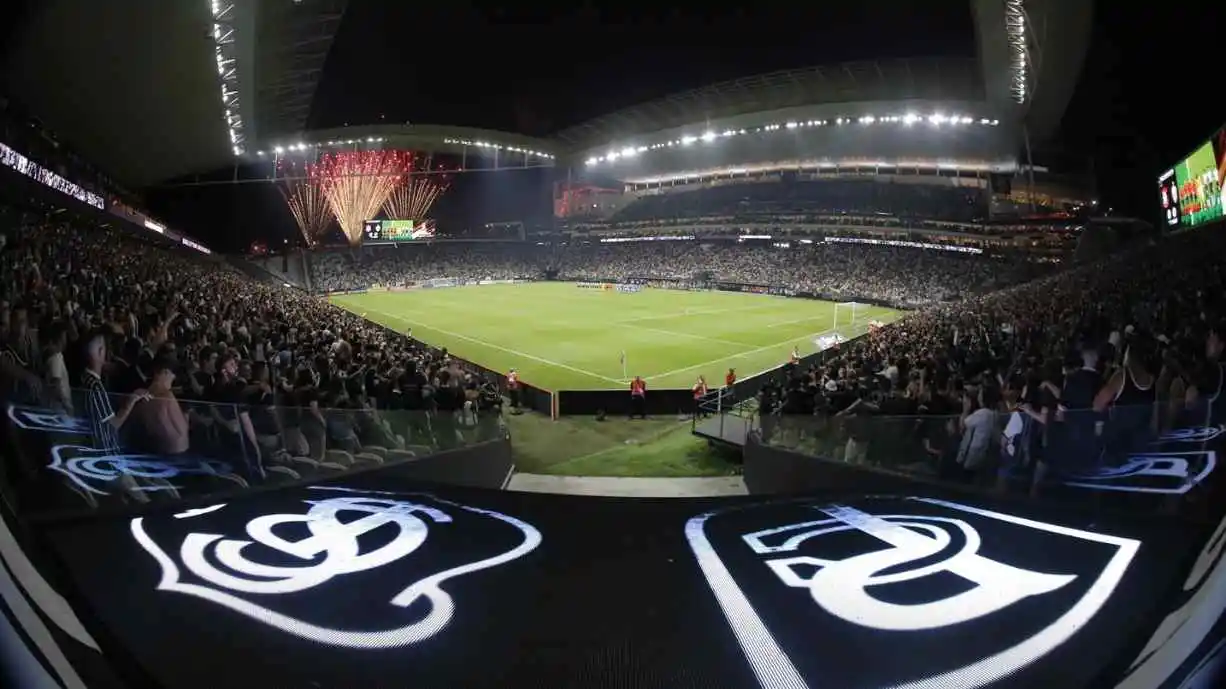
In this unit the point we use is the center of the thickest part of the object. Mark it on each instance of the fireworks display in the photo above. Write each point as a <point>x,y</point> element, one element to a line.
<point>307,202</point>
<point>414,195</point>
<point>357,184</point>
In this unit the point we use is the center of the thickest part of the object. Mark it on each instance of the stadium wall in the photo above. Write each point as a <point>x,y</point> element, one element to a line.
<point>617,402</point>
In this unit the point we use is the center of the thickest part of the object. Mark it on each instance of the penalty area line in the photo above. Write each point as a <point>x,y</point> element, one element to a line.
<point>500,348</point>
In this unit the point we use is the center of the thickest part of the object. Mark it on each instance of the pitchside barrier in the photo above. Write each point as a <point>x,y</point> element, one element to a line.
<point>617,402</point>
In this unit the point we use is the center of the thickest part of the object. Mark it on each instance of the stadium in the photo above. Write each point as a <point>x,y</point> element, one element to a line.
<point>469,406</point>
<point>841,154</point>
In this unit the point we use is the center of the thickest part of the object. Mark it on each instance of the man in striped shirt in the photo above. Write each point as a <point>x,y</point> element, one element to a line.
<point>104,420</point>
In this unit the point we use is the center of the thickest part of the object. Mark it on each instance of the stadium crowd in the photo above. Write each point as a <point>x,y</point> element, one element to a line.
<point>777,196</point>
<point>393,266</point>
<point>1080,367</point>
<point>175,352</point>
<point>167,351</point>
<point>897,275</point>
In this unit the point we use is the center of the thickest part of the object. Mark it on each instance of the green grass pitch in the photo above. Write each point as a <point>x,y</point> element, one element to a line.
<point>561,337</point>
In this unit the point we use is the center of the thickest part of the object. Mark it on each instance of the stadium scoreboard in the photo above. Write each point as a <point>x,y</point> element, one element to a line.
<point>391,231</point>
<point>1191,192</point>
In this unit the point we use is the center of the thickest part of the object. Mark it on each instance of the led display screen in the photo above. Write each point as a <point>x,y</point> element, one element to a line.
<point>1168,197</point>
<point>1198,181</point>
<point>398,230</point>
<point>369,581</point>
<point>16,161</point>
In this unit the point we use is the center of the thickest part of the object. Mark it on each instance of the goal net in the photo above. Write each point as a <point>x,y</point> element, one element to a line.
<point>851,317</point>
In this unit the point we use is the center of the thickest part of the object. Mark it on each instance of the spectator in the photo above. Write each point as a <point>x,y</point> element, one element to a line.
<point>231,414</point>
<point>104,420</point>
<point>59,391</point>
<point>979,414</point>
<point>161,425</point>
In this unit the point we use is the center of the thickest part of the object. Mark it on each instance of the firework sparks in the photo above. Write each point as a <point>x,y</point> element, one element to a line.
<point>414,195</point>
<point>307,202</point>
<point>357,183</point>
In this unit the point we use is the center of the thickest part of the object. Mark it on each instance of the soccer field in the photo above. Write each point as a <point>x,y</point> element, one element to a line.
<point>561,337</point>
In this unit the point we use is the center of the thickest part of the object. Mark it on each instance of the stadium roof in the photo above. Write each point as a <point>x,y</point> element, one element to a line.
<point>506,149</point>
<point>137,86</point>
<point>1025,73</point>
<point>937,79</point>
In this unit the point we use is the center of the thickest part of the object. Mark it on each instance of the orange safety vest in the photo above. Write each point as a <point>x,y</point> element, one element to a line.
<point>730,380</point>
<point>637,388</point>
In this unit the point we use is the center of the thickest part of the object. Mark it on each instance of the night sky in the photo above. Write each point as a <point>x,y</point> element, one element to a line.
<point>535,71</point>
<point>1145,98</point>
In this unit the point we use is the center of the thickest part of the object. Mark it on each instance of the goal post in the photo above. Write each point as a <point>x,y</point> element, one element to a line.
<point>849,315</point>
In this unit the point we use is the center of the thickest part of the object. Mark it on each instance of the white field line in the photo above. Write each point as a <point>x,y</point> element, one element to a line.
<point>798,320</point>
<point>737,355</point>
<point>692,336</point>
<point>695,312</point>
<point>500,348</point>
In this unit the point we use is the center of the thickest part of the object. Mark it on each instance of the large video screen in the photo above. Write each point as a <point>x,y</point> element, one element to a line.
<point>1168,193</point>
<point>398,230</point>
<point>1198,180</point>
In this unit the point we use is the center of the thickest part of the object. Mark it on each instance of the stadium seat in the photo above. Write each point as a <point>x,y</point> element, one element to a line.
<point>285,473</point>
<point>339,457</point>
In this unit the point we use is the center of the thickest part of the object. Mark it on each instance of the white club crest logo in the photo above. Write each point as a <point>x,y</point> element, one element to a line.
<point>844,587</point>
<point>46,420</point>
<point>1198,434</point>
<point>1173,473</point>
<point>929,567</point>
<point>275,571</point>
<point>101,472</point>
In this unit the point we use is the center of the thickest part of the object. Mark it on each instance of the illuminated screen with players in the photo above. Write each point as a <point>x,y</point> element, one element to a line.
<point>1191,192</point>
<point>398,230</point>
